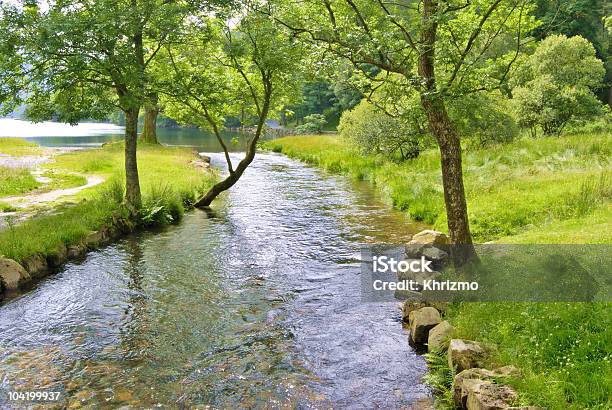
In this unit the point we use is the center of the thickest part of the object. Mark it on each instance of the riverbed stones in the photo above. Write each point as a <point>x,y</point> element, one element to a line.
<point>465,354</point>
<point>421,321</point>
<point>460,391</point>
<point>439,336</point>
<point>36,265</point>
<point>12,274</point>
<point>94,239</point>
<point>486,395</point>
<point>436,255</point>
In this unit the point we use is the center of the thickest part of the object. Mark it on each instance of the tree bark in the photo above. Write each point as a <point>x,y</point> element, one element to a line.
<point>132,183</point>
<point>448,141</point>
<point>235,175</point>
<point>149,130</point>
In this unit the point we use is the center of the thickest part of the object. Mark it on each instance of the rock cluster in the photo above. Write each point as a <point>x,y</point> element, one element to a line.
<point>474,387</point>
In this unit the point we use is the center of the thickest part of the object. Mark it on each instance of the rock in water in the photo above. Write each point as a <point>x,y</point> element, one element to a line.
<point>421,321</point>
<point>465,354</point>
<point>12,274</point>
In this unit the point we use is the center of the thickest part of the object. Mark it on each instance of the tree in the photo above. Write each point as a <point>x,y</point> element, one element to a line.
<point>223,72</point>
<point>313,124</point>
<point>11,63</point>
<point>443,50</point>
<point>90,57</point>
<point>557,84</point>
<point>149,128</point>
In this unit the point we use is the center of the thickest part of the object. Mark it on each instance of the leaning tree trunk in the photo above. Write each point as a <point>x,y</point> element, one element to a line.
<point>132,183</point>
<point>448,141</point>
<point>234,175</point>
<point>149,130</point>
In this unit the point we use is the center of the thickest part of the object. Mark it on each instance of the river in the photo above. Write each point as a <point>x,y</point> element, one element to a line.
<point>253,304</point>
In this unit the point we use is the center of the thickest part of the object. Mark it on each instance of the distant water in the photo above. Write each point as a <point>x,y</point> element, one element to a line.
<point>91,134</point>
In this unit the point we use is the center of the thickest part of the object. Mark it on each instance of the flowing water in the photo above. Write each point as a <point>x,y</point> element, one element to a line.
<point>253,304</point>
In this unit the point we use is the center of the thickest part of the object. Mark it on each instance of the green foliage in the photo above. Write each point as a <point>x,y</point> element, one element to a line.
<point>16,181</point>
<point>563,349</point>
<point>557,83</point>
<point>313,124</point>
<point>161,207</point>
<point>511,188</point>
<point>376,132</point>
<point>440,377</point>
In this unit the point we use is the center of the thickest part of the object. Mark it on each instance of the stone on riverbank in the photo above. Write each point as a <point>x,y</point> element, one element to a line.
<point>418,303</point>
<point>429,237</point>
<point>36,265</point>
<point>439,336</point>
<point>459,389</point>
<point>77,251</point>
<point>12,274</point>
<point>465,354</point>
<point>421,321</point>
<point>486,395</point>
<point>58,256</point>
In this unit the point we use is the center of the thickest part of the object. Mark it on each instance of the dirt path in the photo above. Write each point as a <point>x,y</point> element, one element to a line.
<point>31,200</point>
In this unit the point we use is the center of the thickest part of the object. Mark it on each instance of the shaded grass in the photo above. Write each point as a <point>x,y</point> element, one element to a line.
<point>159,167</point>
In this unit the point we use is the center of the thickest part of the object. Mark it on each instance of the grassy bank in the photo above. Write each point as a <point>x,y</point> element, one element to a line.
<point>169,183</point>
<point>548,190</point>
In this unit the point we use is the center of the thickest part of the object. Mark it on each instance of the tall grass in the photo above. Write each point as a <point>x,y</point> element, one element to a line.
<point>510,188</point>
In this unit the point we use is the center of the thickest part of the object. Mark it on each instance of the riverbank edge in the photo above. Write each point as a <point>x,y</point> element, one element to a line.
<point>16,275</point>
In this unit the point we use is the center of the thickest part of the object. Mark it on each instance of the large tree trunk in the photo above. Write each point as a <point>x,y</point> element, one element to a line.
<point>132,183</point>
<point>149,130</point>
<point>448,141</point>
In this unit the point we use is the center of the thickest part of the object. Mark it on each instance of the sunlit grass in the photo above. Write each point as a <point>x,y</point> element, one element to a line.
<point>548,190</point>
<point>510,188</point>
<point>18,146</point>
<point>15,181</point>
<point>167,180</point>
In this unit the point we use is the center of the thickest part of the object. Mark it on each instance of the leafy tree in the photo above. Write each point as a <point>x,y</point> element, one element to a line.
<point>557,84</point>
<point>442,49</point>
<point>222,72</point>
<point>313,124</point>
<point>11,64</point>
<point>376,132</point>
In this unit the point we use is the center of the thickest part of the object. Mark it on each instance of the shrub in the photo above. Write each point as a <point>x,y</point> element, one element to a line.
<point>313,124</point>
<point>557,83</point>
<point>374,131</point>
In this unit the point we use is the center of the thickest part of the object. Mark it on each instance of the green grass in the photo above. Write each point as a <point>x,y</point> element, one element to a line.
<point>14,181</point>
<point>17,146</point>
<point>167,180</point>
<point>510,188</point>
<point>549,191</point>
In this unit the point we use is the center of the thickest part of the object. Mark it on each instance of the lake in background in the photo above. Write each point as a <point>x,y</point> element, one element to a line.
<point>87,135</point>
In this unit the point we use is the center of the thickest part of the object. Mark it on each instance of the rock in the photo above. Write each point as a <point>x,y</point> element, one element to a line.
<point>12,274</point>
<point>36,265</point>
<point>76,251</point>
<point>415,250</point>
<point>415,303</point>
<point>459,391</point>
<point>58,257</point>
<point>95,239</point>
<point>204,158</point>
<point>465,354</point>
<point>429,237</point>
<point>411,305</point>
<point>486,395</point>
<point>439,336</point>
<point>437,256</point>
<point>421,321</point>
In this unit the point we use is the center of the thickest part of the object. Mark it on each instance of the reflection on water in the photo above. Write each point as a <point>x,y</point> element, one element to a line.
<point>88,135</point>
<point>253,305</point>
